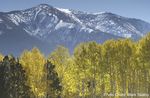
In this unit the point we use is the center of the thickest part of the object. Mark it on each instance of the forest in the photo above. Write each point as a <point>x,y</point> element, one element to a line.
<point>115,69</point>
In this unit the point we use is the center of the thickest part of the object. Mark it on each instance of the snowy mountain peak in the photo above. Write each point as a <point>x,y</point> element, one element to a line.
<point>44,6</point>
<point>64,10</point>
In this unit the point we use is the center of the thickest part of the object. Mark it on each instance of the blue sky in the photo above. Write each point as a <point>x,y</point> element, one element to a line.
<point>129,8</point>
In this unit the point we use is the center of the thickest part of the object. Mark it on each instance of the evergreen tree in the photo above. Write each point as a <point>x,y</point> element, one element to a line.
<point>13,79</point>
<point>53,83</point>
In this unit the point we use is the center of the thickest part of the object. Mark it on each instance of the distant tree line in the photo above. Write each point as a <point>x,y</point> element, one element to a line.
<point>93,71</point>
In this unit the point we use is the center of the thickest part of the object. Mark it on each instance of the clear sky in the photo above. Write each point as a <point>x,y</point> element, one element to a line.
<point>130,8</point>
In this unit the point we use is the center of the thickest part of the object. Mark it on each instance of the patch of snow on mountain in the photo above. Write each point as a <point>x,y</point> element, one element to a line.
<point>14,19</point>
<point>67,11</point>
<point>64,10</point>
<point>127,35</point>
<point>36,31</point>
<point>76,19</point>
<point>30,33</point>
<point>1,20</point>
<point>37,12</point>
<point>86,29</point>
<point>42,19</point>
<point>62,24</point>
<point>98,13</point>
<point>55,19</point>
<point>132,28</point>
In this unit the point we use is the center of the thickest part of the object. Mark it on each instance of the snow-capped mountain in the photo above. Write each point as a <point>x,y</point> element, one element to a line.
<point>46,27</point>
<point>114,24</point>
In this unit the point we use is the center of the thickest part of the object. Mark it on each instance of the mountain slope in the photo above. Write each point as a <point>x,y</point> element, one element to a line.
<point>14,40</point>
<point>115,24</point>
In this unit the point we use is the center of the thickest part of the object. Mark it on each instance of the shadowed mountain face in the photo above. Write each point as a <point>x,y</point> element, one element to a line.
<point>46,27</point>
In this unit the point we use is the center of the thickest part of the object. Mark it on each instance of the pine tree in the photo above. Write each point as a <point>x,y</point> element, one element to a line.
<point>13,79</point>
<point>53,83</point>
